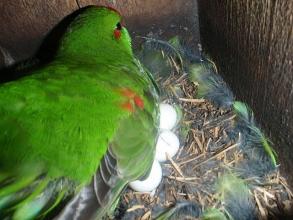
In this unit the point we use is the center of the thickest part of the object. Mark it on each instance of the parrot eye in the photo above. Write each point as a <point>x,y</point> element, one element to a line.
<point>118,26</point>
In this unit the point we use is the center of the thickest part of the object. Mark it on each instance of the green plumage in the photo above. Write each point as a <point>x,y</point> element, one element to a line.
<point>245,114</point>
<point>59,121</point>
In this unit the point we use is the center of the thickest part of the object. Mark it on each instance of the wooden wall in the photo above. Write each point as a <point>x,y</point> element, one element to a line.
<point>252,42</point>
<point>24,23</point>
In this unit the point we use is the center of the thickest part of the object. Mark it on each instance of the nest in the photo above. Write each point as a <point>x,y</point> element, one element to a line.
<point>206,153</point>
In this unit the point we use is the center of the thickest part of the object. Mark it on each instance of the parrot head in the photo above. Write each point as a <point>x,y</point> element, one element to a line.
<point>96,34</point>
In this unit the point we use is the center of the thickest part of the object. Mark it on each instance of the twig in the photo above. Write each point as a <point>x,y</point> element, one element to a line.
<point>183,179</point>
<point>146,216</point>
<point>192,159</point>
<point>216,155</point>
<point>192,100</point>
<point>260,207</point>
<point>176,167</point>
<point>135,207</point>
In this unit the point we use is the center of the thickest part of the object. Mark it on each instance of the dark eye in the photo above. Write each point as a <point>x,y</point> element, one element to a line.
<point>118,26</point>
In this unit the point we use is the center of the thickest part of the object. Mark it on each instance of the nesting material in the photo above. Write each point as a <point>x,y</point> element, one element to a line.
<point>206,153</point>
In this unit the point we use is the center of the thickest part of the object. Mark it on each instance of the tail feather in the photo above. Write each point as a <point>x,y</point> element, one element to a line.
<point>166,47</point>
<point>32,196</point>
<point>82,206</point>
<point>188,54</point>
<point>50,206</point>
<point>181,210</point>
<point>211,85</point>
<point>213,214</point>
<point>234,194</point>
<point>9,187</point>
<point>99,198</point>
<point>261,156</point>
<point>32,205</point>
<point>156,56</point>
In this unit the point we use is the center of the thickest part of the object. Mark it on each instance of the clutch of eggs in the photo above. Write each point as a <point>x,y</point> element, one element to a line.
<point>168,117</point>
<point>168,143</point>
<point>151,182</point>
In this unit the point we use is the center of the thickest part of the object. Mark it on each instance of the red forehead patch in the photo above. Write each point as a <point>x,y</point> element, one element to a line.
<point>114,9</point>
<point>110,8</point>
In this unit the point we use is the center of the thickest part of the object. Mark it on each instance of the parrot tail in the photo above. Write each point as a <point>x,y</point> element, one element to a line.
<point>108,186</point>
<point>100,197</point>
<point>211,85</point>
<point>31,196</point>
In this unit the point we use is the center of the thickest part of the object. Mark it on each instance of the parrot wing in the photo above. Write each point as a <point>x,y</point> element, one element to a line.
<point>64,118</point>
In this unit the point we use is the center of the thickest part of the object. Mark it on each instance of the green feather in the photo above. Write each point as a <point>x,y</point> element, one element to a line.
<point>234,195</point>
<point>62,117</point>
<point>213,214</point>
<point>181,210</point>
<point>265,143</point>
<point>245,114</point>
<point>211,85</point>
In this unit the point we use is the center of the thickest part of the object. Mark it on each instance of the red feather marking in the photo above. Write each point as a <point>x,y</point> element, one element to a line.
<point>138,102</point>
<point>127,93</point>
<point>114,9</point>
<point>110,8</point>
<point>127,106</point>
<point>133,98</point>
<point>117,34</point>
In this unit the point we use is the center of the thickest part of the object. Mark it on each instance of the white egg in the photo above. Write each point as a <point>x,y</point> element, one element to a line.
<point>168,143</point>
<point>151,182</point>
<point>168,117</point>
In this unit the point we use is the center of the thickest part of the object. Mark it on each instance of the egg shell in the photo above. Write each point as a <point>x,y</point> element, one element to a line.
<point>168,143</point>
<point>168,116</point>
<point>151,182</point>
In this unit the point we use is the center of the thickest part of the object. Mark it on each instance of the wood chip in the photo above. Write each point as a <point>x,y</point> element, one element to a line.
<point>135,207</point>
<point>216,132</point>
<point>147,215</point>
<point>200,145</point>
<point>263,212</point>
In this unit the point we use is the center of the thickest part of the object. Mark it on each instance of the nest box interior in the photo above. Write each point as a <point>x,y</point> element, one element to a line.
<point>250,41</point>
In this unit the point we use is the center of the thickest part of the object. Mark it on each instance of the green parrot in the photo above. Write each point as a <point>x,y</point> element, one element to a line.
<point>84,124</point>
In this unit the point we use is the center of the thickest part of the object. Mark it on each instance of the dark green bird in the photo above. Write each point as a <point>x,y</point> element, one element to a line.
<point>85,123</point>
